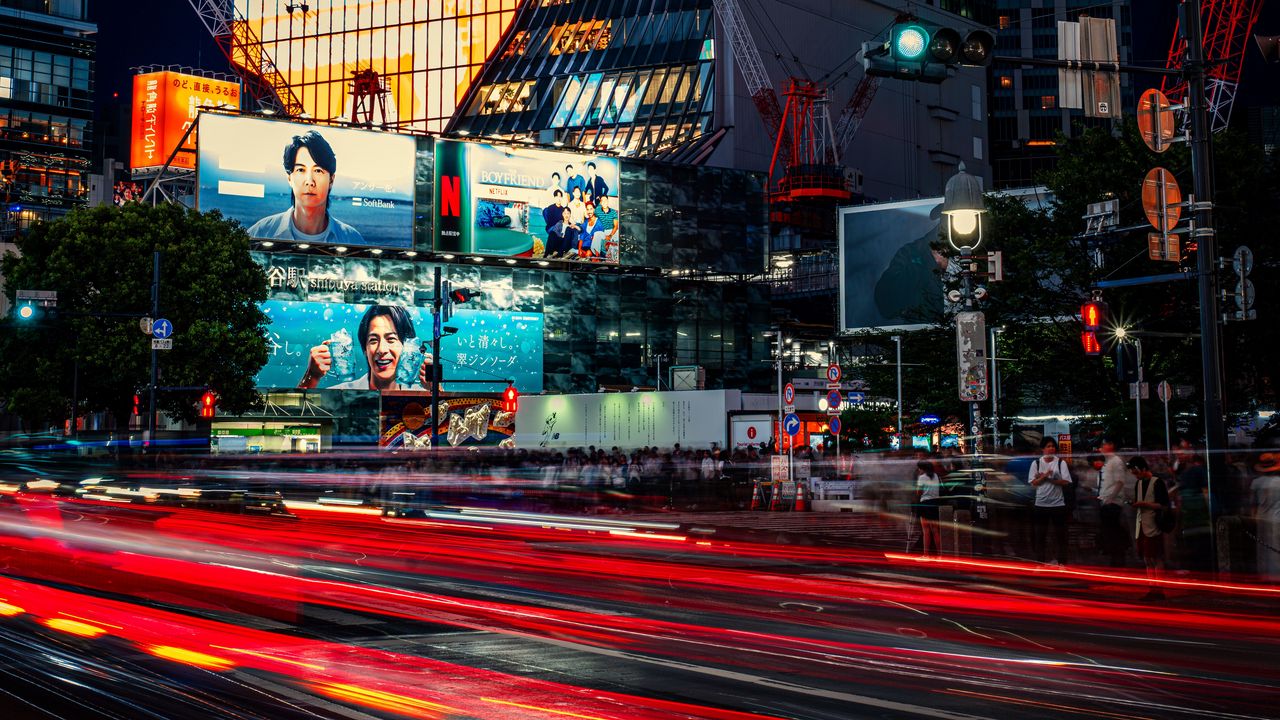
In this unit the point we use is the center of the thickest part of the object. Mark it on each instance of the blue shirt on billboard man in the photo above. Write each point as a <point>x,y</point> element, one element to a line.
<point>310,165</point>
<point>382,333</point>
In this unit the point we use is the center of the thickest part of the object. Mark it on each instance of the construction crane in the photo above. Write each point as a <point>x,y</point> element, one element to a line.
<point>751,65</point>
<point>263,81</point>
<point>1227,27</point>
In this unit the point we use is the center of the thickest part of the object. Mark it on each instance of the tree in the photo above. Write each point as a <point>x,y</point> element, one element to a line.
<point>99,260</point>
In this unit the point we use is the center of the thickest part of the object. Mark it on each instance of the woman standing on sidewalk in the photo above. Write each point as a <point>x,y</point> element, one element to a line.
<point>928,488</point>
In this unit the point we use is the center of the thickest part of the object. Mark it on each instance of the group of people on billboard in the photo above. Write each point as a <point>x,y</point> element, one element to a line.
<point>581,221</point>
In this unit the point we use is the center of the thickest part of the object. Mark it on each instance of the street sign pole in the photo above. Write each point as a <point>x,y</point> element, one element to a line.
<point>155,374</point>
<point>1163,391</point>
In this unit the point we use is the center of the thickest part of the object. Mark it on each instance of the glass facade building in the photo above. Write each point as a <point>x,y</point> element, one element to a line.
<point>616,75</point>
<point>46,109</point>
<point>426,53</point>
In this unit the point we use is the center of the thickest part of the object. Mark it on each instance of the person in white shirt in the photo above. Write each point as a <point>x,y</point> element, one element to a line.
<point>929,490</point>
<point>1049,475</point>
<point>1113,533</point>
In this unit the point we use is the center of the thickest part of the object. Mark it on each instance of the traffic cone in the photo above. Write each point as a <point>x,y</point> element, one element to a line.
<point>801,505</point>
<point>775,499</point>
<point>755,495</point>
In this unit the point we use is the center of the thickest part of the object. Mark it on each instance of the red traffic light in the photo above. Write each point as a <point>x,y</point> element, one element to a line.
<point>208,405</point>
<point>1089,341</point>
<point>510,399</point>
<point>1093,314</point>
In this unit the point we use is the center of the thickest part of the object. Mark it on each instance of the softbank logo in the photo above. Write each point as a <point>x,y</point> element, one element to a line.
<point>450,196</point>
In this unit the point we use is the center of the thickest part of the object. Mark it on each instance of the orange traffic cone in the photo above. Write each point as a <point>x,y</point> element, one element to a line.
<point>755,495</point>
<point>775,495</point>
<point>801,505</point>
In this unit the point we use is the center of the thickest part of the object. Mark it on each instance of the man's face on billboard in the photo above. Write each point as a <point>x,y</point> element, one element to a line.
<point>382,349</point>
<point>309,181</point>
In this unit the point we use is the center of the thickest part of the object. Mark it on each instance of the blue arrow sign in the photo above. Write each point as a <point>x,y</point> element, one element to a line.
<point>791,424</point>
<point>161,328</point>
<point>834,425</point>
<point>856,397</point>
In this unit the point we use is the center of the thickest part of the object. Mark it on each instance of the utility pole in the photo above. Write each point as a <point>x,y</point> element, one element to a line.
<point>1137,395</point>
<point>1194,66</point>
<point>897,339</point>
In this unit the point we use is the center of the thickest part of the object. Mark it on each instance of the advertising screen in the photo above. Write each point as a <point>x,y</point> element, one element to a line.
<point>342,346</point>
<point>307,183</point>
<point>165,105</point>
<point>889,273</point>
<point>524,202</point>
<point>464,420</point>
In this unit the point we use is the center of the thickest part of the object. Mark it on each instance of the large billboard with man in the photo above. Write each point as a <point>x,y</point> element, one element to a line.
<point>526,202</point>
<point>308,183</point>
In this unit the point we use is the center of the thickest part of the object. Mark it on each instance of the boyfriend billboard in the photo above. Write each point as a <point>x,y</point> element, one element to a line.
<point>308,183</point>
<point>384,347</point>
<point>524,202</point>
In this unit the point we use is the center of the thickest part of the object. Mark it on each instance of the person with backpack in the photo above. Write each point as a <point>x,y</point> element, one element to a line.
<point>1050,477</point>
<point>1155,518</point>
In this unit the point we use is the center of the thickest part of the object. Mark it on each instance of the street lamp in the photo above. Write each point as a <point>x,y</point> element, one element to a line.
<point>897,340</point>
<point>962,207</point>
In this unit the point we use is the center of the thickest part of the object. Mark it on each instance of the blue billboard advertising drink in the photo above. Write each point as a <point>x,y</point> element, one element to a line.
<point>525,202</point>
<point>308,183</point>
<point>341,346</point>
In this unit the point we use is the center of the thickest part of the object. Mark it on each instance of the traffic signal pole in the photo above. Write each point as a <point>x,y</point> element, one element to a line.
<point>155,375</point>
<point>1194,66</point>
<point>436,305</point>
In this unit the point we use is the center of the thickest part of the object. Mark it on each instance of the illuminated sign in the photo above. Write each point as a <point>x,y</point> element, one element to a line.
<point>165,105</point>
<point>526,202</point>
<point>347,346</point>
<point>308,183</point>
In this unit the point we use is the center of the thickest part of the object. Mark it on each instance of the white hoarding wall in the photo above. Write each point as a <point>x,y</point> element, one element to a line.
<point>694,418</point>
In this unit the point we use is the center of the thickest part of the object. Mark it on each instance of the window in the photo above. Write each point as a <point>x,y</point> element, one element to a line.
<point>1048,102</point>
<point>1006,82</point>
<point>581,37</point>
<point>517,46</point>
<point>506,97</point>
<point>1005,22</point>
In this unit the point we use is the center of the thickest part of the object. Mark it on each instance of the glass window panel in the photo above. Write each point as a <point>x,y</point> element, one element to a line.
<point>567,101</point>
<point>584,102</point>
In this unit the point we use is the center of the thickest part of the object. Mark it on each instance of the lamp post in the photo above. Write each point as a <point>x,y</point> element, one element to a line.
<point>962,207</point>
<point>897,340</point>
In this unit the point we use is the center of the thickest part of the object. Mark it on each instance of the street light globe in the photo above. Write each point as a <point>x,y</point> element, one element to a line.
<point>962,204</point>
<point>1121,333</point>
<point>964,222</point>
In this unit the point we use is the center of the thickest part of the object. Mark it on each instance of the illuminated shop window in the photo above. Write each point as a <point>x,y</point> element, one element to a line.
<point>506,97</point>
<point>518,45</point>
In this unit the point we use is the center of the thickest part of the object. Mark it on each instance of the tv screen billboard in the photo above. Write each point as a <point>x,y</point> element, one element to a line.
<point>308,183</point>
<point>344,346</point>
<point>526,202</point>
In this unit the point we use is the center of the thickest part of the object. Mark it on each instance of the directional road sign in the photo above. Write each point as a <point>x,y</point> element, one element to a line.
<point>161,328</point>
<point>789,394</point>
<point>834,425</point>
<point>856,398</point>
<point>833,373</point>
<point>791,424</point>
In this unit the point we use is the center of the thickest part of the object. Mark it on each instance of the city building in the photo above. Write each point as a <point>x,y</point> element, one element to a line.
<point>1026,113</point>
<point>46,109</point>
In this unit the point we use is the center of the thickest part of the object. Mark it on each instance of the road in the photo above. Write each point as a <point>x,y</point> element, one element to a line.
<point>112,610</point>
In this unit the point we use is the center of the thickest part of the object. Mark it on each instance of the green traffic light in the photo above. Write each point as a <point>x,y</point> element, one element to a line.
<point>26,311</point>
<point>911,42</point>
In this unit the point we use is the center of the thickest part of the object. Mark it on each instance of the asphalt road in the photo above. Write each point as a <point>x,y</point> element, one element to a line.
<point>129,611</point>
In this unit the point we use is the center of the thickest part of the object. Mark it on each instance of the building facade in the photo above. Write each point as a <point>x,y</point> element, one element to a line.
<point>46,109</point>
<point>1026,117</point>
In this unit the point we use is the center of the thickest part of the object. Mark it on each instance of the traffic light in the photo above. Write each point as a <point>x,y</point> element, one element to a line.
<point>454,295</point>
<point>925,52</point>
<point>1094,314</point>
<point>1126,362</point>
<point>510,399</point>
<point>26,312</point>
<point>208,405</point>
<point>1089,341</point>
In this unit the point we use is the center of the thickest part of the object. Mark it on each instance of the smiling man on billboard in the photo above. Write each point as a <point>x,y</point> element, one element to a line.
<point>310,165</point>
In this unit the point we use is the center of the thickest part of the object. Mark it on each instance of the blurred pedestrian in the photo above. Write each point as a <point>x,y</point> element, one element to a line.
<point>1150,498</point>
<point>1265,494</point>
<point>1113,532</point>
<point>1193,508</point>
<point>1049,476</point>
<point>928,494</point>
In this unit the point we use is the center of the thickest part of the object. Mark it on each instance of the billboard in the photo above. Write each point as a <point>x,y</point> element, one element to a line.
<point>694,418</point>
<point>889,273</point>
<point>525,202</point>
<point>308,183</point>
<point>464,420</point>
<point>165,105</point>
<point>343,346</point>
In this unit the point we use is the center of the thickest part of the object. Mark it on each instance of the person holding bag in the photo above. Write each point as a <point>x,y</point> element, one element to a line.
<point>1154,518</point>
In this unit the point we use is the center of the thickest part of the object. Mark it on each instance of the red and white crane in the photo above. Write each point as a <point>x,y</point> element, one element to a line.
<point>1227,27</point>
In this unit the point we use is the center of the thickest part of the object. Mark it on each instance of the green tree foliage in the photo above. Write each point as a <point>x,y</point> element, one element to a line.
<point>1050,271</point>
<point>99,261</point>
